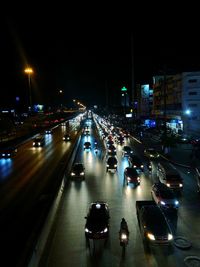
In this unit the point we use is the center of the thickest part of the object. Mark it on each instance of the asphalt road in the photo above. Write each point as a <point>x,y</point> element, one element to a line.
<point>67,245</point>
<point>27,187</point>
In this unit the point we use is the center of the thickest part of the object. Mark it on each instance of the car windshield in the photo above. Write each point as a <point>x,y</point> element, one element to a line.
<point>166,194</point>
<point>100,212</point>
<point>174,177</point>
<point>132,172</point>
<point>78,167</point>
<point>127,148</point>
<point>112,161</point>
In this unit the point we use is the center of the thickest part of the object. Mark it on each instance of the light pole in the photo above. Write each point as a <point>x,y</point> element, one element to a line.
<point>29,72</point>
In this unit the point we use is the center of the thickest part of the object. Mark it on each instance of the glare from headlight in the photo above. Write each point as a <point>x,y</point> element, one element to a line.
<point>134,166</point>
<point>162,202</point>
<point>72,173</point>
<point>180,185</point>
<point>168,185</point>
<point>151,236</point>
<point>82,173</point>
<point>105,230</point>
<point>176,202</point>
<point>170,236</point>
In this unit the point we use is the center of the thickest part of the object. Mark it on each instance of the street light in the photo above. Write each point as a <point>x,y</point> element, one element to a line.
<point>29,72</point>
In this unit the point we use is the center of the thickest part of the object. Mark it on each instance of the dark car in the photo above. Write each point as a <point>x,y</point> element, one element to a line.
<point>164,197</point>
<point>78,170</point>
<point>39,141</point>
<point>131,176</point>
<point>111,150</point>
<point>87,145</point>
<point>49,131</point>
<point>97,221</point>
<point>151,153</point>
<point>66,137</point>
<point>111,163</point>
<point>127,151</point>
<point>135,162</point>
<point>8,153</point>
<point>153,224</point>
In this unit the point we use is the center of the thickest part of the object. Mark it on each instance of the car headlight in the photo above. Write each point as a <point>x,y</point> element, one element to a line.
<point>123,236</point>
<point>87,231</point>
<point>176,202</point>
<point>33,143</point>
<point>134,166</point>
<point>151,236</point>
<point>3,155</point>
<point>170,236</point>
<point>142,166</point>
<point>39,143</point>
<point>63,138</point>
<point>138,179</point>
<point>115,165</point>
<point>72,173</point>
<point>168,185</point>
<point>105,230</point>
<point>107,165</point>
<point>82,173</point>
<point>162,203</point>
<point>8,154</point>
<point>180,185</point>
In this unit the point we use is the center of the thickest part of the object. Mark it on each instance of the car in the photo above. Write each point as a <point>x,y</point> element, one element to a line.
<point>151,153</point>
<point>126,151</point>
<point>111,149</point>
<point>87,145</point>
<point>49,131</point>
<point>97,221</point>
<point>131,176</point>
<point>169,175</point>
<point>39,141</point>
<point>78,170</point>
<point>8,153</point>
<point>66,137</point>
<point>135,162</point>
<point>111,163</point>
<point>164,197</point>
<point>154,227</point>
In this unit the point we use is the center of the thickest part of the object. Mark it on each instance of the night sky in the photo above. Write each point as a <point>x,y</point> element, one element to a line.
<point>87,60</point>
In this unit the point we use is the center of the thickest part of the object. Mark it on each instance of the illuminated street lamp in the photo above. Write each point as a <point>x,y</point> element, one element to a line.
<point>29,72</point>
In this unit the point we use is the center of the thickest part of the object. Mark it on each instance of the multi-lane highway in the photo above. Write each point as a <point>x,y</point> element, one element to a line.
<point>27,186</point>
<point>67,245</point>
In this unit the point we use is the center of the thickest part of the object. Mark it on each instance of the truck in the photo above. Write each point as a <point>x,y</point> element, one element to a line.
<point>154,227</point>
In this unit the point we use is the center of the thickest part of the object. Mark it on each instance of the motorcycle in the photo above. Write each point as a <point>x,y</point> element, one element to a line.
<point>123,237</point>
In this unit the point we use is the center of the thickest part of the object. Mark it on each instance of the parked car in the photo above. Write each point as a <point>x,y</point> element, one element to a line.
<point>78,170</point>
<point>131,176</point>
<point>164,197</point>
<point>97,221</point>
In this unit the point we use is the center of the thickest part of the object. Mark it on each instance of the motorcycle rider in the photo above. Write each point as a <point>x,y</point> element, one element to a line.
<point>124,226</point>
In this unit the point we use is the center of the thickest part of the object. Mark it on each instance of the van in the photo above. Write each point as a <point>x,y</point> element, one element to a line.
<point>169,175</point>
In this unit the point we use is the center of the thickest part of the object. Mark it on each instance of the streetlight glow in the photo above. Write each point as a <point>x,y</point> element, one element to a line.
<point>29,72</point>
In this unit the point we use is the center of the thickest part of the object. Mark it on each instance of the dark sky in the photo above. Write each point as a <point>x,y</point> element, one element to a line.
<point>86,60</point>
